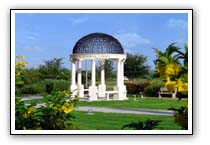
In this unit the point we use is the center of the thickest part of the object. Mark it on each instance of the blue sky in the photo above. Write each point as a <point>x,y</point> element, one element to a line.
<point>44,36</point>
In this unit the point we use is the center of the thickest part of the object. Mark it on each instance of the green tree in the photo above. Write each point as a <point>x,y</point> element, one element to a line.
<point>30,76</point>
<point>108,66</point>
<point>183,56</point>
<point>167,57</point>
<point>135,66</point>
<point>53,69</point>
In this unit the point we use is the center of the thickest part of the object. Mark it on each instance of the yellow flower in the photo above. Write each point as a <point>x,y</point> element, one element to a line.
<point>65,93</point>
<point>25,115</point>
<point>67,108</point>
<point>31,110</point>
<point>22,63</point>
<point>172,69</point>
<point>170,85</point>
<point>19,61</point>
<point>182,86</point>
<point>161,70</point>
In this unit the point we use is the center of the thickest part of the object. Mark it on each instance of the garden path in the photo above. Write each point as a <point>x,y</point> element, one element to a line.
<point>125,110</point>
<point>113,110</point>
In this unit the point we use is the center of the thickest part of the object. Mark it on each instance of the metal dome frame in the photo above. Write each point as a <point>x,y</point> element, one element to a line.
<point>98,43</point>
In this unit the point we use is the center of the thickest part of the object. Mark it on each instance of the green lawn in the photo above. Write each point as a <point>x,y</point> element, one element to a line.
<point>147,103</point>
<point>113,121</point>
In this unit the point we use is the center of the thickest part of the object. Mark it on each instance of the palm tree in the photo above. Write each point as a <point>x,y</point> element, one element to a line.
<point>183,56</point>
<point>167,57</point>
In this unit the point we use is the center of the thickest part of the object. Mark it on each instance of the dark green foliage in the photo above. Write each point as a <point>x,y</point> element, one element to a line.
<point>56,85</point>
<point>47,78</point>
<point>153,89</point>
<point>181,116</point>
<point>36,88</point>
<point>143,125</point>
<point>30,76</point>
<point>136,88</point>
<point>52,69</point>
<point>108,67</point>
<point>46,86</point>
<point>51,116</point>
<point>135,66</point>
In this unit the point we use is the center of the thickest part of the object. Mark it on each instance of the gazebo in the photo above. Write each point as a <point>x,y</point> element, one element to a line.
<point>98,47</point>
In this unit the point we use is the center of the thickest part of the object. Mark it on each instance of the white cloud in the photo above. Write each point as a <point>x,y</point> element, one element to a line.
<point>31,35</point>
<point>31,38</point>
<point>33,49</point>
<point>131,40</point>
<point>177,23</point>
<point>79,20</point>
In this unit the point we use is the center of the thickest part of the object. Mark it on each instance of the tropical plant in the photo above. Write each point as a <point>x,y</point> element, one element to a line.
<point>171,69</point>
<point>176,75</point>
<point>167,57</point>
<point>143,125</point>
<point>181,116</point>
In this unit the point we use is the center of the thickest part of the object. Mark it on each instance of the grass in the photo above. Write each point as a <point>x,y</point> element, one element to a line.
<point>146,103</point>
<point>113,121</point>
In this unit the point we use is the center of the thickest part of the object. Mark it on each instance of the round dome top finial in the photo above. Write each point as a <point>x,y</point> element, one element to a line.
<point>98,43</point>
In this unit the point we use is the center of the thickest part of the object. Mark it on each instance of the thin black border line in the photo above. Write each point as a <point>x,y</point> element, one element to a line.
<point>189,134</point>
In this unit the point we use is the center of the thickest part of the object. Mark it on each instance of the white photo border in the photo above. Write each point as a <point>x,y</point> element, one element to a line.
<point>101,132</point>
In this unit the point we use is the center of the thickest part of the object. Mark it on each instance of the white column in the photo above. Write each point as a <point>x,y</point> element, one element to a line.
<point>79,73</point>
<point>102,73</point>
<point>93,74</point>
<point>124,91</point>
<point>73,87</point>
<point>122,72</point>
<point>79,79</point>
<point>118,73</point>
<point>93,91</point>
<point>102,86</point>
<point>73,73</point>
<point>119,86</point>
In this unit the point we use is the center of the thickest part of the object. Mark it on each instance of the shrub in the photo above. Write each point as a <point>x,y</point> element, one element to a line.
<point>56,85</point>
<point>152,90</point>
<point>136,88</point>
<point>33,88</point>
<point>181,116</point>
<point>143,125</point>
<point>54,115</point>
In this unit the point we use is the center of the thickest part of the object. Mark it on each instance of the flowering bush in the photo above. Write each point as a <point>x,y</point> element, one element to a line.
<point>54,113</point>
<point>19,68</point>
<point>176,75</point>
<point>172,70</point>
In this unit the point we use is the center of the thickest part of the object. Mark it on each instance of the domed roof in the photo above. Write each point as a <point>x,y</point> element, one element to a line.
<point>98,43</point>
